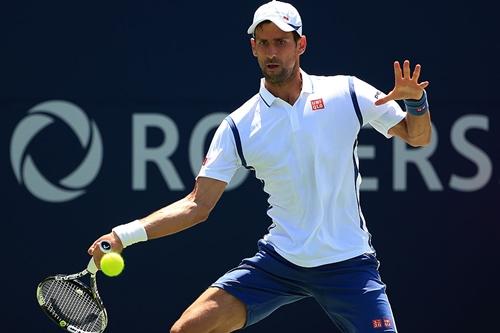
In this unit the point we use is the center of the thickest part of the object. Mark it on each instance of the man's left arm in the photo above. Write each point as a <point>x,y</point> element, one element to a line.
<point>415,128</point>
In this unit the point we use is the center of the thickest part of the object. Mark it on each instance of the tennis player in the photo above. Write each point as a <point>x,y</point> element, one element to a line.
<point>299,134</point>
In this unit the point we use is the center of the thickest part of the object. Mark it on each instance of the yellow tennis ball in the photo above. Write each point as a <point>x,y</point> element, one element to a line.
<point>112,264</point>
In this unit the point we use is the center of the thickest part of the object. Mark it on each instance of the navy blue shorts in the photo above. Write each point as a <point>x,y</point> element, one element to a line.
<point>351,292</point>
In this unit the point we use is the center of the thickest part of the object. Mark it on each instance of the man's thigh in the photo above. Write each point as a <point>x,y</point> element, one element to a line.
<point>353,295</point>
<point>263,283</point>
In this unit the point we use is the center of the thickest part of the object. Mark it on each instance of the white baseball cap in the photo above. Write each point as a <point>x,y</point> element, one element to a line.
<point>283,14</point>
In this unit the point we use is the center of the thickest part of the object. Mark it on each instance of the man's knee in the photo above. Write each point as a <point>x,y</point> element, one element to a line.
<point>175,329</point>
<point>195,319</point>
<point>189,323</point>
<point>180,326</point>
<point>214,312</point>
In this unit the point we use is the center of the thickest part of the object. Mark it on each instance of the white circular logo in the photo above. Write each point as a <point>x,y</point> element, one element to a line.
<point>38,118</point>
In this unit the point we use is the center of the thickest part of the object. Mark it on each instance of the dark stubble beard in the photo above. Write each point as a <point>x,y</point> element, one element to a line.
<point>283,76</point>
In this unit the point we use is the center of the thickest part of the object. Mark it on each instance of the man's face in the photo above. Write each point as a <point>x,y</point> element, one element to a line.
<point>277,52</point>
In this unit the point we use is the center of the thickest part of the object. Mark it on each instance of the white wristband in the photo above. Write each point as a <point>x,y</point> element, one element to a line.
<point>131,233</point>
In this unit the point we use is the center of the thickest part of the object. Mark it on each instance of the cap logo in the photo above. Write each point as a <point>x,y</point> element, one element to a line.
<point>285,18</point>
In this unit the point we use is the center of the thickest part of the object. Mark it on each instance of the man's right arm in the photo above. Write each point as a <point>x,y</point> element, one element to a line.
<point>187,212</point>
<point>180,215</point>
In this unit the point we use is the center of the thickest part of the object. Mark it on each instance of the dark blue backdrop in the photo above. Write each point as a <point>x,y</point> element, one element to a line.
<point>122,61</point>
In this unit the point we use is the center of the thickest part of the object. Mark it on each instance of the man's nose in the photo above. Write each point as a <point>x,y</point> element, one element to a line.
<point>272,52</point>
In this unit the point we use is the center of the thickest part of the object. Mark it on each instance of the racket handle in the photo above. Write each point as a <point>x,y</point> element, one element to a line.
<point>91,267</point>
<point>105,247</point>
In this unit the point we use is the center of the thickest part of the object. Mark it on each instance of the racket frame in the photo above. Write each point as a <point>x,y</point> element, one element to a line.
<point>74,278</point>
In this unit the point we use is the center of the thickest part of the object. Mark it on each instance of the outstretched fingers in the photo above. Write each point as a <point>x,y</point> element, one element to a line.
<point>424,84</point>
<point>406,85</point>
<point>385,99</point>
<point>416,73</point>
<point>406,70</point>
<point>398,73</point>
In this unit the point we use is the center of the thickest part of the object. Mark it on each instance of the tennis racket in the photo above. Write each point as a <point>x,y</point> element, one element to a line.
<point>70,303</point>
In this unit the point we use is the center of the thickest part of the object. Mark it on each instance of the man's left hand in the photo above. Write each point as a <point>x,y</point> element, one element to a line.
<point>406,85</point>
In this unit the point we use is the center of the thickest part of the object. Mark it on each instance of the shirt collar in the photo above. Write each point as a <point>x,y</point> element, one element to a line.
<point>268,98</point>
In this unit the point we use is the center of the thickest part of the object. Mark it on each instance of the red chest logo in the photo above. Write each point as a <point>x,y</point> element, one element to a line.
<point>317,104</point>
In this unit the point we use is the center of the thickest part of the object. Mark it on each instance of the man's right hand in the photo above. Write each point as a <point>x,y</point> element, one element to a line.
<point>95,251</point>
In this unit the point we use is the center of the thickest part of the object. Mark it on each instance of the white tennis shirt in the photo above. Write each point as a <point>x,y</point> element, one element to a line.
<point>306,155</point>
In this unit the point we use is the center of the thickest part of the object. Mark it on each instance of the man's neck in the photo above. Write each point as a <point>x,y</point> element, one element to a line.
<point>288,91</point>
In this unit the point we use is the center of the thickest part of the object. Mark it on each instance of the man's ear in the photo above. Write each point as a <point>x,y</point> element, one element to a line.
<point>302,44</point>
<point>252,44</point>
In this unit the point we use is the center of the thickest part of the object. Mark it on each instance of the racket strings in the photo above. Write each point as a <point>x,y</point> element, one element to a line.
<point>67,301</point>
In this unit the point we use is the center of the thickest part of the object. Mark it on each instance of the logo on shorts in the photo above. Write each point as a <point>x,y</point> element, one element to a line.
<point>377,94</point>
<point>317,104</point>
<point>382,323</point>
<point>377,323</point>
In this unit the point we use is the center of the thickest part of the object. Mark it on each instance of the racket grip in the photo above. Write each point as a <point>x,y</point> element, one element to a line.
<point>105,247</point>
<point>92,267</point>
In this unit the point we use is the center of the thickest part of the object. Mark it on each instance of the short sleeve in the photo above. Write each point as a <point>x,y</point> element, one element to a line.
<point>382,117</point>
<point>221,161</point>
